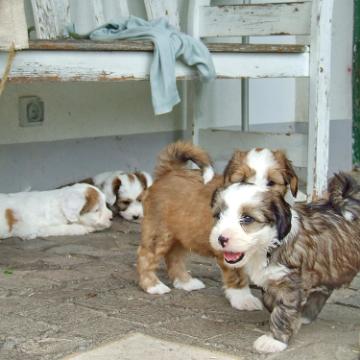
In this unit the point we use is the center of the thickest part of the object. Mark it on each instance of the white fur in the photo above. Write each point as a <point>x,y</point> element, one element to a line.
<point>54,212</point>
<point>104,181</point>
<point>267,344</point>
<point>129,190</point>
<point>261,161</point>
<point>208,174</point>
<point>348,216</point>
<point>158,289</point>
<point>295,226</point>
<point>192,284</point>
<point>235,197</point>
<point>149,180</point>
<point>260,274</point>
<point>300,197</point>
<point>242,299</point>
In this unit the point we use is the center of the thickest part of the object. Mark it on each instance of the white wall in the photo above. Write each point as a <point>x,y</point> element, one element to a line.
<point>79,110</point>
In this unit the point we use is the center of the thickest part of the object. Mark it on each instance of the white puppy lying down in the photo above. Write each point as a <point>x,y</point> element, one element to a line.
<point>72,210</point>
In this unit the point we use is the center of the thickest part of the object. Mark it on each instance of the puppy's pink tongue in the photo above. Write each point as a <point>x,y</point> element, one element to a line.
<point>232,256</point>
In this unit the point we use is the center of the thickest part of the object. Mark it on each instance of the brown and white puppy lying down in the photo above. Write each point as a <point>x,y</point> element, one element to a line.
<point>73,210</point>
<point>297,255</point>
<point>178,216</point>
<point>123,191</point>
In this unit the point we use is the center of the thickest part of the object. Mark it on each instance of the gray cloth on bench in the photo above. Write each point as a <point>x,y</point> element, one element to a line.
<point>169,45</point>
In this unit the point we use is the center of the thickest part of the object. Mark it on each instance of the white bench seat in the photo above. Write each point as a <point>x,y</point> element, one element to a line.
<point>79,61</point>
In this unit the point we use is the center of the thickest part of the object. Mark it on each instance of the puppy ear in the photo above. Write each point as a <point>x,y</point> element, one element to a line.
<point>111,189</point>
<point>292,178</point>
<point>116,183</point>
<point>92,197</point>
<point>216,201</point>
<point>236,169</point>
<point>72,204</point>
<point>281,211</point>
<point>144,178</point>
<point>214,197</point>
<point>149,180</point>
<point>288,171</point>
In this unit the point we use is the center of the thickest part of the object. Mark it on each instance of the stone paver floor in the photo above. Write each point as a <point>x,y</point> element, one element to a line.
<point>64,295</point>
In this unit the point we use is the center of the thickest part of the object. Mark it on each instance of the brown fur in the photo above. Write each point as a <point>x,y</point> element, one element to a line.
<point>237,170</point>
<point>287,171</point>
<point>91,198</point>
<point>169,229</point>
<point>115,186</point>
<point>324,255</point>
<point>10,219</point>
<point>282,175</point>
<point>178,216</point>
<point>175,156</point>
<point>142,179</point>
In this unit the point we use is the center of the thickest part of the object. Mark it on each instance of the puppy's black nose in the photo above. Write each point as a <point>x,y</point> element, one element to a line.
<point>223,240</point>
<point>135,217</point>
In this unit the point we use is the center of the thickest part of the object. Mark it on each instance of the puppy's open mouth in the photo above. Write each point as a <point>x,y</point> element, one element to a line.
<point>233,257</point>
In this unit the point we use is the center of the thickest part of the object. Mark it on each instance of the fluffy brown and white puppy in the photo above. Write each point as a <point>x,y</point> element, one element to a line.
<point>178,217</point>
<point>297,255</point>
<point>263,167</point>
<point>72,210</point>
<point>123,191</point>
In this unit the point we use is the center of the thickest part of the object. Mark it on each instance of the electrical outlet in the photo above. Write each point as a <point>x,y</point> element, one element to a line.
<point>31,111</point>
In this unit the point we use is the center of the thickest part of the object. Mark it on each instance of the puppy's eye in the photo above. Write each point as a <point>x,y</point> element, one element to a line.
<point>245,220</point>
<point>126,202</point>
<point>270,183</point>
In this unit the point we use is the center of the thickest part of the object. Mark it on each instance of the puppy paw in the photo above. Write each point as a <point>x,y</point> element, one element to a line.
<point>192,284</point>
<point>305,321</point>
<point>243,299</point>
<point>208,174</point>
<point>267,344</point>
<point>300,197</point>
<point>158,289</point>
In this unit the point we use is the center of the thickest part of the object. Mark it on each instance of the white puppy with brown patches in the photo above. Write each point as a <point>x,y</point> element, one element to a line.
<point>73,210</point>
<point>124,192</point>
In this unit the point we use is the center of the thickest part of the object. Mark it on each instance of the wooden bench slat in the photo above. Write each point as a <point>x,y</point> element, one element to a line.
<point>126,45</point>
<point>256,19</point>
<point>256,48</point>
<point>39,65</point>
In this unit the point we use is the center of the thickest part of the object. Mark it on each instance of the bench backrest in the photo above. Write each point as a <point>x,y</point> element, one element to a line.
<point>206,19</point>
<point>237,18</point>
<point>53,17</point>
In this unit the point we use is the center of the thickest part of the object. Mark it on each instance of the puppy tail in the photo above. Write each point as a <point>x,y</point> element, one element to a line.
<point>176,155</point>
<point>344,196</point>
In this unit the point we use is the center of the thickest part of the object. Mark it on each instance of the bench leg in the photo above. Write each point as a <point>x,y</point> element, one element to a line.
<point>319,99</point>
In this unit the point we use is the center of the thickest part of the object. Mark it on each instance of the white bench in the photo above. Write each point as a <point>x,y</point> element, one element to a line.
<point>65,60</point>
